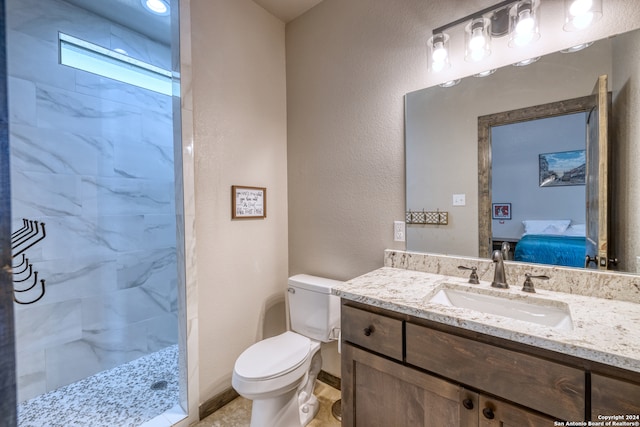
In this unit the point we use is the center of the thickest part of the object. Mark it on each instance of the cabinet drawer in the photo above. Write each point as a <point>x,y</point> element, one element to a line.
<point>545,386</point>
<point>372,331</point>
<point>610,396</point>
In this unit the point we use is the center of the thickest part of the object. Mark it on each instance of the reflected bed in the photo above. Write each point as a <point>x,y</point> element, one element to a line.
<point>568,251</point>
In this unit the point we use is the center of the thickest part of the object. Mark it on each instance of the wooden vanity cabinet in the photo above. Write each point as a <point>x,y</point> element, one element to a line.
<point>611,396</point>
<point>382,393</point>
<point>382,387</point>
<point>552,388</point>
<point>380,334</point>
<point>498,413</point>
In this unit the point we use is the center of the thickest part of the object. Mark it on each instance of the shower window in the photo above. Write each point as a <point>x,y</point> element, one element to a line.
<point>96,59</point>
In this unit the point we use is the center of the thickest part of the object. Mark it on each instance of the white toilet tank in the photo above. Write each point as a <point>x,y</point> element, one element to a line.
<point>313,310</point>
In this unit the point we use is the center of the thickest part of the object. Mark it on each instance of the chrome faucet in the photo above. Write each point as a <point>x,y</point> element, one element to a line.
<point>499,277</point>
<point>506,250</point>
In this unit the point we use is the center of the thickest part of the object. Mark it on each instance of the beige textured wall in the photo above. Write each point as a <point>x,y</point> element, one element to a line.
<point>337,141</point>
<point>349,64</point>
<point>239,108</point>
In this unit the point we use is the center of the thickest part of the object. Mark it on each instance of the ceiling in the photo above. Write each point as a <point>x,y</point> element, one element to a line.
<point>287,10</point>
<point>131,14</point>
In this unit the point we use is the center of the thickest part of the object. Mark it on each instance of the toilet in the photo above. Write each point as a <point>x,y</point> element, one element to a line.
<point>278,374</point>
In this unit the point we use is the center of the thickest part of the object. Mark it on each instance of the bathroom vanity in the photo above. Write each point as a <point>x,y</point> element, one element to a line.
<point>411,358</point>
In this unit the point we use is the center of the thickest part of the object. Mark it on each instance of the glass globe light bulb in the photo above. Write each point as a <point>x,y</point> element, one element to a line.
<point>439,52</point>
<point>580,7</point>
<point>525,22</point>
<point>477,41</point>
<point>583,20</point>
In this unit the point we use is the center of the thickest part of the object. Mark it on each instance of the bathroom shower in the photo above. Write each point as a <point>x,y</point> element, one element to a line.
<point>94,238</point>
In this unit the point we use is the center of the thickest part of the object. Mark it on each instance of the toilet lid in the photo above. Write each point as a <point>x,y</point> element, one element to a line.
<point>273,357</point>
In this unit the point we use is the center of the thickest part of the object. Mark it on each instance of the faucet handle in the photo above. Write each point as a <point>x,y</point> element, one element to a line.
<point>528,284</point>
<point>473,278</point>
<point>505,248</point>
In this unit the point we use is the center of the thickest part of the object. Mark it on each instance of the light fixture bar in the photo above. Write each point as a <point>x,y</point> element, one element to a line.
<point>478,14</point>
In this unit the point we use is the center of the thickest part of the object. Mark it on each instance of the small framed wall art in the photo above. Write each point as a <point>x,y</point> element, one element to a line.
<point>248,202</point>
<point>501,211</point>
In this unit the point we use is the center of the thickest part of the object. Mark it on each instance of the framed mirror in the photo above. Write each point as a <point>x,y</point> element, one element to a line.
<point>536,159</point>
<point>442,143</point>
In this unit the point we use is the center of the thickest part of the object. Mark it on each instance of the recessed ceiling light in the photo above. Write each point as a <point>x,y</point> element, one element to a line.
<point>157,7</point>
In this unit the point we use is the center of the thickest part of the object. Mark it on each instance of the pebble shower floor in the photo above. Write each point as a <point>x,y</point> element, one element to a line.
<point>125,396</point>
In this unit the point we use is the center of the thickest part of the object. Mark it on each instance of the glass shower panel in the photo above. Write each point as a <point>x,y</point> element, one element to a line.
<point>92,161</point>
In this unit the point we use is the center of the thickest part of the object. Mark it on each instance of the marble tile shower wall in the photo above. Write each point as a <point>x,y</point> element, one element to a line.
<point>93,159</point>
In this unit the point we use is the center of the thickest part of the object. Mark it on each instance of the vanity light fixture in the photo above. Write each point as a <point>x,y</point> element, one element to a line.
<point>477,39</point>
<point>518,18</point>
<point>439,52</point>
<point>157,7</point>
<point>523,23</point>
<point>580,14</point>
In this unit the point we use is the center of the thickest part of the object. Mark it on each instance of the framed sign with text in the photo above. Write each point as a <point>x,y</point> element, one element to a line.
<point>248,202</point>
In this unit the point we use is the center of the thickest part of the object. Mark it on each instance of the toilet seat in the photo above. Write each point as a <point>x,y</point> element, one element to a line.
<point>273,357</point>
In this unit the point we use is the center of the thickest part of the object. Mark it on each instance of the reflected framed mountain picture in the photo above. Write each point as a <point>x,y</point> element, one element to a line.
<point>562,168</point>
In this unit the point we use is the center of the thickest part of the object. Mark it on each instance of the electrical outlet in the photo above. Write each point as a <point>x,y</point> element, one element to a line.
<point>459,200</point>
<point>398,231</point>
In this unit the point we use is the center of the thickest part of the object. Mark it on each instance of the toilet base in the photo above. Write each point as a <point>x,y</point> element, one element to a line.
<point>307,401</point>
<point>309,410</point>
<point>281,411</point>
<point>290,405</point>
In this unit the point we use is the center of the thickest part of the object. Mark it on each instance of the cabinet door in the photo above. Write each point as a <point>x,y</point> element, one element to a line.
<point>610,396</point>
<point>377,392</point>
<point>497,413</point>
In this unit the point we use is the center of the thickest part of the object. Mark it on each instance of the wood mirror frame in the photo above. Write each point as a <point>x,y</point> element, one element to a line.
<point>485,123</point>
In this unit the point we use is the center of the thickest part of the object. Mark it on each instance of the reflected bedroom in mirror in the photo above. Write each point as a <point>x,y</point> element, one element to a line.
<point>543,156</point>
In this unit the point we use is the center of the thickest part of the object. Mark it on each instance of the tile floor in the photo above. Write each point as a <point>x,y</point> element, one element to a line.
<point>123,396</point>
<point>238,412</point>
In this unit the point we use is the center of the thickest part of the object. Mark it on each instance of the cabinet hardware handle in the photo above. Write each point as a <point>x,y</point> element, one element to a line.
<point>369,330</point>
<point>467,403</point>
<point>488,413</point>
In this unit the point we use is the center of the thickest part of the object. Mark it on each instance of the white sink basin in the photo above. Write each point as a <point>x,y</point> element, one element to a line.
<point>544,312</point>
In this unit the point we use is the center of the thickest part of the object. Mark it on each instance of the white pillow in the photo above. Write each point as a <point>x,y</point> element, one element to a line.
<point>546,226</point>
<point>576,230</point>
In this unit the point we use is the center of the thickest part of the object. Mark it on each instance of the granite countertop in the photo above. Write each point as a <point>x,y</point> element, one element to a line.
<point>605,331</point>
